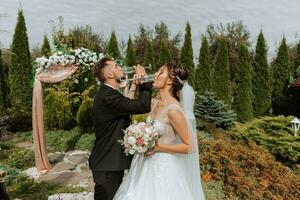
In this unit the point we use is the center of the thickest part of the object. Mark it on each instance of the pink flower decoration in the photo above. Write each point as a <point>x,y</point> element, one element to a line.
<point>140,141</point>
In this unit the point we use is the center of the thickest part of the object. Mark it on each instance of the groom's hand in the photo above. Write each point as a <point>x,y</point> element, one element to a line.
<point>139,70</point>
<point>139,74</point>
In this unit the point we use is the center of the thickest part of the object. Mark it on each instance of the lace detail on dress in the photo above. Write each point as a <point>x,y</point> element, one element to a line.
<point>164,128</point>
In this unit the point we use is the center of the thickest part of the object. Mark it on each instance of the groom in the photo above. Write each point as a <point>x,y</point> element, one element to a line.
<point>111,116</point>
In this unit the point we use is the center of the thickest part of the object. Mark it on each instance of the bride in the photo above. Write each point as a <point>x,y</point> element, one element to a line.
<point>170,171</point>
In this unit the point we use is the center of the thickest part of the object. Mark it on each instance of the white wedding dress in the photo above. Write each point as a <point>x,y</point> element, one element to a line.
<point>161,176</point>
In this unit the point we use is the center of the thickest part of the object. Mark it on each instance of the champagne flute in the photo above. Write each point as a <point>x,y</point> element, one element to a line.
<point>147,78</point>
<point>130,70</point>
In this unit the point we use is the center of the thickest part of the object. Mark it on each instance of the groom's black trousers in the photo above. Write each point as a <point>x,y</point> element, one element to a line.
<point>107,184</point>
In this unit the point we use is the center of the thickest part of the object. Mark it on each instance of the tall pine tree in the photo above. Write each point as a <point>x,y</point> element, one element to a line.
<point>46,50</point>
<point>297,60</point>
<point>261,79</point>
<point>186,56</point>
<point>164,53</point>
<point>221,83</point>
<point>243,97</point>
<point>280,72</point>
<point>130,59</point>
<point>203,75</point>
<point>112,47</point>
<point>20,69</point>
<point>149,56</point>
<point>2,100</point>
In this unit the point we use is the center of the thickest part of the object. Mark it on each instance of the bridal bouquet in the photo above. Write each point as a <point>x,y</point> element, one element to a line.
<point>139,137</point>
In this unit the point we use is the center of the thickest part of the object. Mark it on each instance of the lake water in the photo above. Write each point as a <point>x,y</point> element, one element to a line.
<point>275,17</point>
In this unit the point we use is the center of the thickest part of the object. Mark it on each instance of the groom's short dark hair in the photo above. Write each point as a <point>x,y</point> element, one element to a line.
<point>99,66</point>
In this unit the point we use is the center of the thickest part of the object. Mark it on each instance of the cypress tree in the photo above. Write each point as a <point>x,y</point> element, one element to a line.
<point>243,98</point>
<point>2,100</point>
<point>130,59</point>
<point>4,90</point>
<point>46,50</point>
<point>149,55</point>
<point>164,53</point>
<point>222,84</point>
<point>203,75</point>
<point>112,47</point>
<point>281,76</point>
<point>297,60</point>
<point>261,79</point>
<point>20,69</point>
<point>186,56</point>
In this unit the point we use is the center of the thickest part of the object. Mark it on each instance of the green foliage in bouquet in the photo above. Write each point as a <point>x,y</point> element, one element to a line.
<point>208,109</point>
<point>139,118</point>
<point>247,170</point>
<point>274,134</point>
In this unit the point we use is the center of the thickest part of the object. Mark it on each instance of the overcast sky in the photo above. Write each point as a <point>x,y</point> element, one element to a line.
<point>275,17</point>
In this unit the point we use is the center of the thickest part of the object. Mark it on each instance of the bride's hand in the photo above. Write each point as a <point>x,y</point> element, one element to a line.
<point>150,152</point>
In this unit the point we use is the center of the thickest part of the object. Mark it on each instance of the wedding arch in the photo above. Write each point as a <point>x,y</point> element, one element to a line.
<point>58,67</point>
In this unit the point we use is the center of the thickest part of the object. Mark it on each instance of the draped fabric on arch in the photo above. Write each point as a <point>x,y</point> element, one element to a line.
<point>53,74</point>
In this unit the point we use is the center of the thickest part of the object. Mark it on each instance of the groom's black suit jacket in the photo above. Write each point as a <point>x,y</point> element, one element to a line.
<point>111,116</point>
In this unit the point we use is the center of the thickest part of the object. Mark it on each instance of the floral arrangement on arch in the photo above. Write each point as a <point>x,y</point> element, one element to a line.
<point>82,57</point>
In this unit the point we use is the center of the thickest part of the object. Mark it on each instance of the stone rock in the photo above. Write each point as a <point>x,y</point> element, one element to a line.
<point>55,157</point>
<point>63,166</point>
<point>6,135</point>
<point>32,173</point>
<point>73,196</point>
<point>26,145</point>
<point>17,122</point>
<point>73,178</point>
<point>78,158</point>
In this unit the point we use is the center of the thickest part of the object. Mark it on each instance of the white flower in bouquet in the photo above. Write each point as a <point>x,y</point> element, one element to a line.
<point>86,79</point>
<point>131,151</point>
<point>131,140</point>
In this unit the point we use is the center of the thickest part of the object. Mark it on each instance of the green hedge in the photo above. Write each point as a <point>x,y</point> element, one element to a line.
<point>275,134</point>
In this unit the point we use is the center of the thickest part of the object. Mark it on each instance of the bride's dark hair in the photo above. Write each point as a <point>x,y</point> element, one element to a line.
<point>178,74</point>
